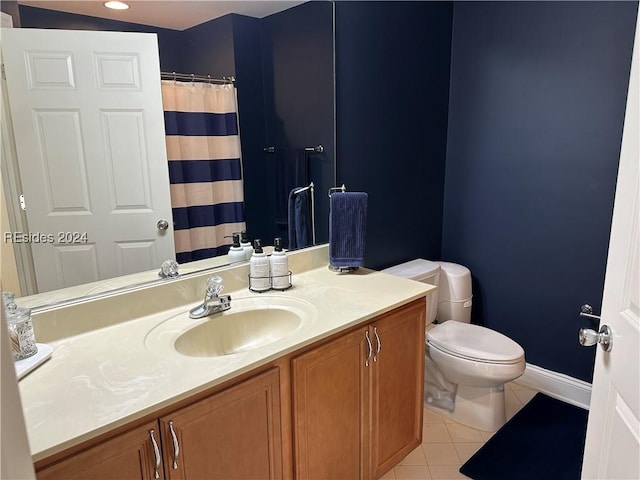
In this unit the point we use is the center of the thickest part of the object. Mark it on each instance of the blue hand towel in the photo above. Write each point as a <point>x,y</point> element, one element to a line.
<point>290,169</point>
<point>300,228</point>
<point>347,228</point>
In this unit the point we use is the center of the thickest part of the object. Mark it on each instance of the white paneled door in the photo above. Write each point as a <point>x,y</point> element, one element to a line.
<point>86,109</point>
<point>612,448</point>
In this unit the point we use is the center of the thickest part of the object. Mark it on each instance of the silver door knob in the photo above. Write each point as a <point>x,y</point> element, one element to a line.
<point>604,337</point>
<point>162,224</point>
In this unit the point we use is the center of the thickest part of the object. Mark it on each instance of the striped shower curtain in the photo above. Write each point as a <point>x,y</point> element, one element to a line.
<point>205,167</point>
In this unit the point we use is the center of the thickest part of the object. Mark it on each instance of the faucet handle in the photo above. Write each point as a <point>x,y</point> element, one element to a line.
<point>214,286</point>
<point>168,269</point>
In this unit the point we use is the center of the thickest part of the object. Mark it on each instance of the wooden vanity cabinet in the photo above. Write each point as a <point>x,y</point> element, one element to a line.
<point>128,456</point>
<point>357,400</point>
<point>349,408</point>
<point>235,434</point>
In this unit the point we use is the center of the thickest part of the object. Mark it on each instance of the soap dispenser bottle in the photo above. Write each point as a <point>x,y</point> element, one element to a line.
<point>236,253</point>
<point>259,278</point>
<point>280,279</point>
<point>246,245</point>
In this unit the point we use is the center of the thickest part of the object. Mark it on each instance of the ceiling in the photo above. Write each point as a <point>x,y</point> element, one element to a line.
<point>177,15</point>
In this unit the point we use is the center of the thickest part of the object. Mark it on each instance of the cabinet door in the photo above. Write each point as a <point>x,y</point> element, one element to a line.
<point>330,385</point>
<point>129,456</point>
<point>397,387</point>
<point>234,434</point>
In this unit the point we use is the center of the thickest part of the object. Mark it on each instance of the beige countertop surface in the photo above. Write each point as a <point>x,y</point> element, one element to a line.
<point>104,378</point>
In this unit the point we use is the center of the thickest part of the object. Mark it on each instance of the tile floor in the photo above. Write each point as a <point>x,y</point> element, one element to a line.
<point>446,445</point>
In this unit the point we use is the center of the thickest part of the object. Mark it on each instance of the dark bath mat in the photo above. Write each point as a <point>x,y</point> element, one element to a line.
<point>544,440</point>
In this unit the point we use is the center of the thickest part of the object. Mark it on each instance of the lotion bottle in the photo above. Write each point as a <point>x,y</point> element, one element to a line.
<point>279,261</point>
<point>236,253</point>
<point>259,278</point>
<point>246,245</point>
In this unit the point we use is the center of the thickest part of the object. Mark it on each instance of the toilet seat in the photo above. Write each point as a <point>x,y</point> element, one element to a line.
<point>473,342</point>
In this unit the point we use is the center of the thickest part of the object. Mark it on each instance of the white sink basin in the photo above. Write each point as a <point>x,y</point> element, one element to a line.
<point>250,324</point>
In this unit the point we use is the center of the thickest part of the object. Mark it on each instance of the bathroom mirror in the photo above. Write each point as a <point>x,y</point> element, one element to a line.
<point>281,124</point>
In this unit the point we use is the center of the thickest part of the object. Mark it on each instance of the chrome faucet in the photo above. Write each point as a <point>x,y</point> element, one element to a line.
<point>168,269</point>
<point>213,302</point>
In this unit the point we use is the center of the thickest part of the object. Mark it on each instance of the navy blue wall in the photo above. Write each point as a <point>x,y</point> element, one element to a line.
<point>251,103</point>
<point>297,55</point>
<point>170,56</point>
<point>210,48</point>
<point>537,102</point>
<point>392,87</point>
<point>525,102</point>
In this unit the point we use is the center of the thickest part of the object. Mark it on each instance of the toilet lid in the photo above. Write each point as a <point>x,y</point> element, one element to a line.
<point>474,342</point>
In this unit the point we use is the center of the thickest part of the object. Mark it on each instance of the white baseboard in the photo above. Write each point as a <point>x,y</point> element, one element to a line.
<point>557,385</point>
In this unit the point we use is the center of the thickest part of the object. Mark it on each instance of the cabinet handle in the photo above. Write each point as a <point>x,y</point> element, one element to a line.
<point>176,447</point>
<point>375,332</point>
<point>366,362</point>
<point>156,452</point>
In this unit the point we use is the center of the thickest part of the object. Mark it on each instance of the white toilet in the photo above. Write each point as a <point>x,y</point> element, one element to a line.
<point>466,366</point>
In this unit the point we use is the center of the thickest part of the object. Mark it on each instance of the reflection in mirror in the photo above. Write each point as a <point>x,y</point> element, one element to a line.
<point>283,66</point>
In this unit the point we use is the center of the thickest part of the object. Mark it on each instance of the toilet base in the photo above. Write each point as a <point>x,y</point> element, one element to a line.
<point>482,408</point>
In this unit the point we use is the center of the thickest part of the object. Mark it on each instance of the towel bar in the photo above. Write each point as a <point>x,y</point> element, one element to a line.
<point>337,189</point>
<point>313,214</point>
<point>317,149</point>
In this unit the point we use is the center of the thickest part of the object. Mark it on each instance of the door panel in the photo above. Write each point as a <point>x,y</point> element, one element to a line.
<point>75,264</point>
<point>127,162</point>
<point>59,137</point>
<point>613,429</point>
<point>234,434</point>
<point>128,456</point>
<point>398,387</point>
<point>330,384</point>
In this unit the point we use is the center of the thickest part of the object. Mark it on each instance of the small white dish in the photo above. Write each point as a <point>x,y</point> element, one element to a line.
<point>27,365</point>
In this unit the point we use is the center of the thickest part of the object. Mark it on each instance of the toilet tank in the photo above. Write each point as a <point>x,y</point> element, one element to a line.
<point>422,271</point>
<point>454,293</point>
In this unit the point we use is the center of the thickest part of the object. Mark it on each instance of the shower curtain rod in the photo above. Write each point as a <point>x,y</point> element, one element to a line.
<point>193,77</point>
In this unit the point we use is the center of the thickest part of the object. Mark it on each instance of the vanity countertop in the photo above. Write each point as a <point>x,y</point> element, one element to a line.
<point>105,378</point>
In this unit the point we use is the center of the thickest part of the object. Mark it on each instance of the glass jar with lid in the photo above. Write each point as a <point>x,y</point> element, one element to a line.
<point>21,334</point>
